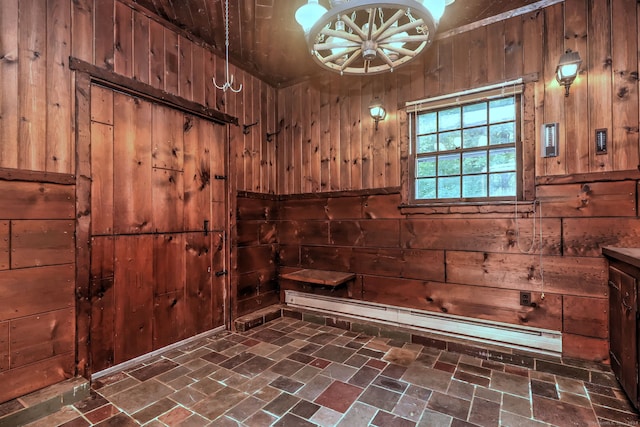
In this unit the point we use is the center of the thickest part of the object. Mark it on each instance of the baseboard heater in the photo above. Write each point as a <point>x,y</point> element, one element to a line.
<point>485,331</point>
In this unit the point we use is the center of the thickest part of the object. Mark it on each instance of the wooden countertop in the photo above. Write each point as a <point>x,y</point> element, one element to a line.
<point>628,255</point>
<point>319,277</point>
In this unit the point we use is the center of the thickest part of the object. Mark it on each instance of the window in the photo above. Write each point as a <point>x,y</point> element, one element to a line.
<point>466,151</point>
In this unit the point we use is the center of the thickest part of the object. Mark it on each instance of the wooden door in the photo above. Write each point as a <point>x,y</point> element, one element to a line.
<point>158,203</point>
<point>623,339</point>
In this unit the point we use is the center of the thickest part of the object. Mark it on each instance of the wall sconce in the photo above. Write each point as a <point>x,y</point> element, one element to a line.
<point>377,111</point>
<point>567,70</point>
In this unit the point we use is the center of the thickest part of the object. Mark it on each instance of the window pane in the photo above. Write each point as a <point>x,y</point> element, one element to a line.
<point>426,188</point>
<point>426,167</point>
<point>428,143</point>
<point>449,164</point>
<point>449,188</point>
<point>474,186</point>
<point>474,114</point>
<point>503,159</point>
<point>502,110</point>
<point>449,119</point>
<point>503,134</point>
<point>475,162</point>
<point>427,123</point>
<point>475,137</point>
<point>450,141</point>
<point>502,184</point>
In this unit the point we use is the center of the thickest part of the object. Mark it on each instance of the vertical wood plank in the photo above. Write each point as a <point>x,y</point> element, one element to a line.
<point>82,29</point>
<point>296,184</point>
<point>513,59</point>
<point>156,54</point>
<point>391,141</point>
<point>272,116</point>
<point>209,64</point>
<point>306,144</point>
<point>32,84</point>
<point>496,47</point>
<point>200,80</point>
<point>197,175</point>
<point>140,47</point>
<point>169,289</point>
<point>9,84</point>
<point>431,75</point>
<point>445,62</point>
<point>4,346</point>
<point>198,293</point>
<point>103,309</point>
<point>102,178</point>
<point>134,280</point>
<point>166,138</point>
<point>478,62</point>
<point>367,128</point>
<point>578,140</point>
<point>132,154</point>
<point>376,142</point>
<point>171,58</point>
<point>262,159</point>
<point>600,79</point>
<point>59,125</point>
<point>326,146</point>
<point>256,134</point>
<point>461,61</point>
<point>625,86</point>
<point>123,54</point>
<point>185,83</point>
<point>283,150</point>
<point>314,140</point>
<point>104,14</point>
<point>344,137</point>
<point>355,139</point>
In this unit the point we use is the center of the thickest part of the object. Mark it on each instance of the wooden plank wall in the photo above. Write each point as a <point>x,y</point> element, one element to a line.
<point>474,261</point>
<point>342,151</point>
<point>36,98</point>
<point>257,249</point>
<point>37,276</point>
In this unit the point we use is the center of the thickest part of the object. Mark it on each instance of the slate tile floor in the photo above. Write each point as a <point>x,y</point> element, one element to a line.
<point>294,373</point>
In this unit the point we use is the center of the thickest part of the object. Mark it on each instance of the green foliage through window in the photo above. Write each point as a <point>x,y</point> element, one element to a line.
<point>467,152</point>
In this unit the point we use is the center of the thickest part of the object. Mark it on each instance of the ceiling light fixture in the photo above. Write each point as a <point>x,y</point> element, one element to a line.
<point>369,37</point>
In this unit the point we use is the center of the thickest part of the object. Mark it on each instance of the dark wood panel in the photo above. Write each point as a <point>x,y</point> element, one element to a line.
<point>587,236</point>
<point>102,192</point>
<point>254,258</point>
<point>288,255</point>
<point>200,299</point>
<point>585,348</point>
<point>257,282</point>
<point>268,233</point>
<point>585,200</point>
<point>42,336</point>
<point>413,264</point>
<point>103,303</point>
<point>169,318</point>
<point>382,206</point>
<point>167,138</point>
<point>20,381</point>
<point>38,243</point>
<point>562,275</point>
<point>326,258</point>
<point>258,302</point>
<point>167,200</point>
<point>197,174</point>
<point>4,245</point>
<point>471,301</point>
<point>4,346</point>
<point>304,232</point>
<point>344,207</point>
<point>586,316</point>
<point>219,282</point>
<point>9,122</point>
<point>247,233</point>
<point>303,209</point>
<point>378,233</point>
<point>168,262</point>
<point>36,290</point>
<point>133,209</point>
<point>250,208</point>
<point>31,200</point>
<point>133,286</point>
<point>497,235</point>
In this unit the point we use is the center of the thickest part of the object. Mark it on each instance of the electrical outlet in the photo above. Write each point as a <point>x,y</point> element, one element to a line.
<point>525,298</point>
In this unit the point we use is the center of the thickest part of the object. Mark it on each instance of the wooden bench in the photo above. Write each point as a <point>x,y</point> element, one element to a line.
<point>323,282</point>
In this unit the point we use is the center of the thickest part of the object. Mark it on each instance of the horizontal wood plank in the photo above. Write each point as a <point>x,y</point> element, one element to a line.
<point>45,242</point>
<point>304,232</point>
<point>344,207</point>
<point>36,290</point>
<point>383,206</point>
<point>42,336</point>
<point>23,380</point>
<point>326,257</point>
<point>586,316</point>
<point>585,348</point>
<point>8,174</point>
<point>33,200</point>
<point>370,233</point>
<point>587,236</point>
<point>256,209</point>
<point>400,263</point>
<point>254,258</point>
<point>609,199</point>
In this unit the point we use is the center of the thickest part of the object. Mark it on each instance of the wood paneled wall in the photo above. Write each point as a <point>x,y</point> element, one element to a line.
<point>36,93</point>
<point>37,276</point>
<point>256,278</point>
<point>328,141</point>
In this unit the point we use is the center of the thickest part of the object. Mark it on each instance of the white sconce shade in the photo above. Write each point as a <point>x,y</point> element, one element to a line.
<point>377,111</point>
<point>307,15</point>
<point>435,7</point>
<point>567,69</point>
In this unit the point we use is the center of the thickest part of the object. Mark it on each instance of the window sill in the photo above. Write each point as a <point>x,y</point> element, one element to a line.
<point>496,206</point>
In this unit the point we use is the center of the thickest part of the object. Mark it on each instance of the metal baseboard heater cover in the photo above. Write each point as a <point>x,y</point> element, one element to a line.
<point>484,331</point>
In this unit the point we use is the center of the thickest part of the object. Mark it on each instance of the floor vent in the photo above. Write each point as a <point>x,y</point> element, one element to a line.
<point>485,331</point>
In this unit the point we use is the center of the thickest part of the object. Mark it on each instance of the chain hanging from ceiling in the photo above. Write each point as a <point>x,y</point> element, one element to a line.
<point>228,83</point>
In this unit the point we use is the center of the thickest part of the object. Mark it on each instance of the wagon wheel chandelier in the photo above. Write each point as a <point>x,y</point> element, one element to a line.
<point>369,37</point>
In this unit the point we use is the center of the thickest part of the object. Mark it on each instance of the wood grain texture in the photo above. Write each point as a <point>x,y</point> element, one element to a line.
<point>102,172</point>
<point>20,381</point>
<point>123,40</point>
<point>587,236</point>
<point>9,78</point>
<point>603,199</point>
<point>586,316</point>
<point>52,285</point>
<point>103,303</point>
<point>38,243</point>
<point>4,245</point>
<point>31,200</point>
<point>42,336</point>
<point>198,291</point>
<point>581,347</point>
<point>4,346</point>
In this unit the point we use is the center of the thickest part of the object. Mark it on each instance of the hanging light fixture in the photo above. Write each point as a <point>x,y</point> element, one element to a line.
<point>567,69</point>
<point>369,37</point>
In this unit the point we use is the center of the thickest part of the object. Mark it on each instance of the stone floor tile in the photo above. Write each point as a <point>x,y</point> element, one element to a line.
<point>419,392</point>
<point>545,389</point>
<point>281,404</point>
<point>76,422</point>
<point>286,384</point>
<point>150,371</point>
<point>575,399</point>
<point>450,405</point>
<point>516,405</point>
<point>175,416</point>
<point>215,405</point>
<point>314,387</point>
<point>322,338</point>
<point>359,414</point>
<point>380,398</point>
<point>394,371</point>
<point>509,383</point>
<point>286,367</point>
<point>618,416</point>
<point>446,367</point>
<point>326,417</point>
<point>267,393</point>
<point>306,373</point>
<point>383,419</point>
<point>187,396</point>
<point>434,419</point>
<point>338,396</point>
<point>101,413</point>
<point>377,364</point>
<point>290,420</point>
<point>154,410</point>
<point>488,394</point>
<point>90,403</point>
<point>194,420</point>
<point>172,374</point>
<point>484,413</point>
<point>338,371</point>
<point>356,360</point>
<point>461,389</point>
<point>260,418</point>
<point>320,363</point>
<point>117,387</point>
<point>119,420</point>
<point>410,408</point>
<point>305,409</point>
<point>427,377</point>
<point>245,409</point>
<point>390,384</point>
<point>571,386</point>
<point>613,403</point>
<point>301,357</point>
<point>207,386</point>
<point>181,382</point>
<point>509,419</point>
<point>65,415</point>
<point>334,353</point>
<point>564,414</point>
<point>141,395</point>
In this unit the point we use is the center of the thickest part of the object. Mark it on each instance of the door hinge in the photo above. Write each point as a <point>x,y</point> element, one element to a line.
<point>220,176</point>
<point>221,273</point>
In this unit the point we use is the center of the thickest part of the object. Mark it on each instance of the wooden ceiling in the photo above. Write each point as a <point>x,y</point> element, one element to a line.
<point>265,39</point>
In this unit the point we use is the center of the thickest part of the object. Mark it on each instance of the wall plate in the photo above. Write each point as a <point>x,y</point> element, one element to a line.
<point>550,140</point>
